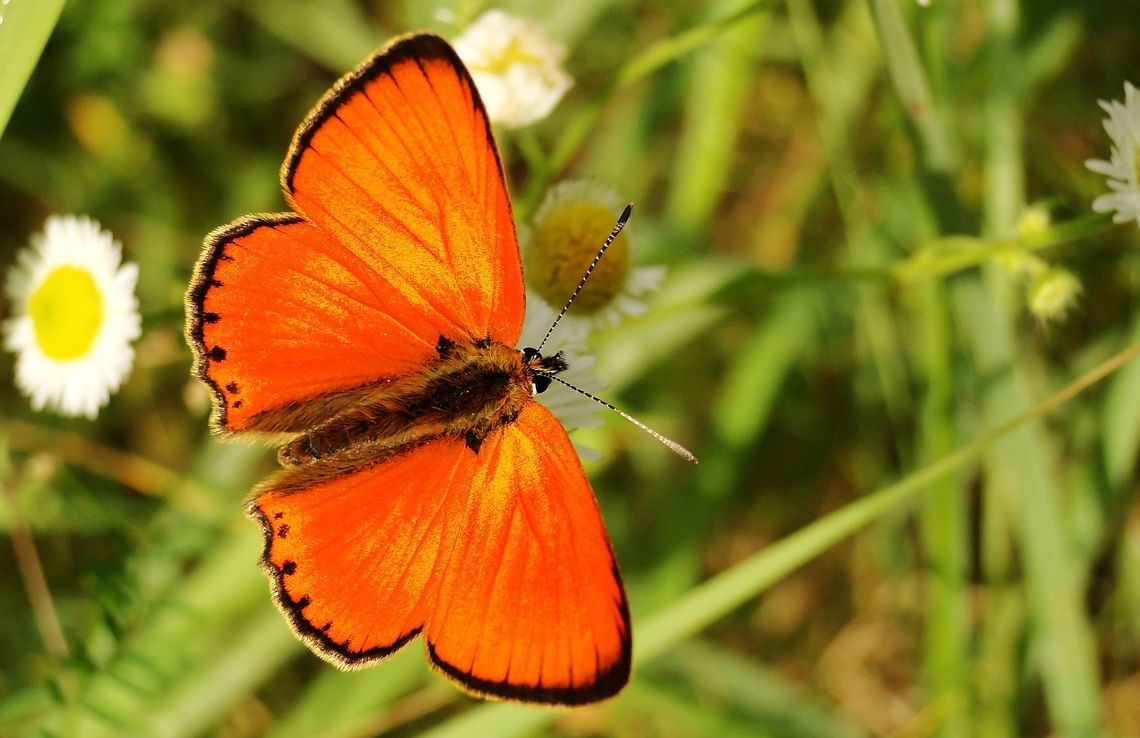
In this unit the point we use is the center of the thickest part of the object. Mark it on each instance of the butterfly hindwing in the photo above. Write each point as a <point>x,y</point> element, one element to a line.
<point>531,606</point>
<point>499,557</point>
<point>354,557</point>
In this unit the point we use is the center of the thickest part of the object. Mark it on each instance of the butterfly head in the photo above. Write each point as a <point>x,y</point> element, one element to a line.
<point>542,368</point>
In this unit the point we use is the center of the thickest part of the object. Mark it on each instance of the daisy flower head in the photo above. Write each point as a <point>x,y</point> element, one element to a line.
<point>1123,167</point>
<point>516,66</point>
<point>562,240</point>
<point>74,315</point>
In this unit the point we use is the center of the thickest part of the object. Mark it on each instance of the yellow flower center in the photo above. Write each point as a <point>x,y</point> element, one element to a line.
<point>66,312</point>
<point>564,244</point>
<point>509,55</point>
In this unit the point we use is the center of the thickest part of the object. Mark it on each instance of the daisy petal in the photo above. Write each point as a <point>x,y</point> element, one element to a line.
<point>1122,126</point>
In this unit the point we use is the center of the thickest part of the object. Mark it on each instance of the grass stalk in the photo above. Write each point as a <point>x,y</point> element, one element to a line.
<point>942,522</point>
<point>908,77</point>
<point>1022,466</point>
<point>645,63</point>
<point>28,562</point>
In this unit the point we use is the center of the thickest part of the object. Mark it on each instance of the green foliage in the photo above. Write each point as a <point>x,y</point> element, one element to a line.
<point>915,510</point>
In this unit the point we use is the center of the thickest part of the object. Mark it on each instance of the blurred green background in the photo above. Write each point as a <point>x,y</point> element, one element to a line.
<point>799,167</point>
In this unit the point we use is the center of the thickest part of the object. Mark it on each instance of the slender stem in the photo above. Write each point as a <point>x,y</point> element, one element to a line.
<point>950,254</point>
<point>942,523</point>
<point>131,470</point>
<point>32,575</point>
<point>908,76</point>
<point>645,63</point>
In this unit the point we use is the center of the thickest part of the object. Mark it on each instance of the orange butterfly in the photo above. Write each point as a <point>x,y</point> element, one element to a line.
<point>425,491</point>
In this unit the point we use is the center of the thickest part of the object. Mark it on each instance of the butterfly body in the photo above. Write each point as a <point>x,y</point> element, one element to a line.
<point>424,490</point>
<point>469,390</point>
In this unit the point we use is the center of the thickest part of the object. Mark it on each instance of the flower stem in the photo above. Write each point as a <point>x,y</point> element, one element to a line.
<point>29,565</point>
<point>950,254</point>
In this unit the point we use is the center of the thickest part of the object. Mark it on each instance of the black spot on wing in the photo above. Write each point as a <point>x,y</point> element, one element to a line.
<point>204,281</point>
<point>316,637</point>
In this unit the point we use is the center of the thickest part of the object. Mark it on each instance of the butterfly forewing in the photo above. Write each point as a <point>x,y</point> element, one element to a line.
<point>398,162</point>
<point>280,316</point>
<point>404,234</point>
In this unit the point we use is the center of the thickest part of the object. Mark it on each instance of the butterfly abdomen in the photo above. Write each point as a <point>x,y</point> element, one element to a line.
<point>469,390</point>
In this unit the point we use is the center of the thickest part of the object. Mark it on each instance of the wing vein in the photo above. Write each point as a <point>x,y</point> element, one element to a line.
<point>423,295</point>
<point>436,157</point>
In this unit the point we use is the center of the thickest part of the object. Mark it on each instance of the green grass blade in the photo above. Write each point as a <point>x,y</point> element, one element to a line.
<point>909,78</point>
<point>645,63</point>
<point>252,653</point>
<point>718,81</point>
<point>759,694</point>
<point>335,33</point>
<point>676,47</point>
<point>1121,424</point>
<point>24,29</point>
<point>758,369</point>
<point>942,521</point>
<point>1022,466</point>
<point>341,704</point>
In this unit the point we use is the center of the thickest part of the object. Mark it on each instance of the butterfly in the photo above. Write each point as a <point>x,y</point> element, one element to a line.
<point>424,491</point>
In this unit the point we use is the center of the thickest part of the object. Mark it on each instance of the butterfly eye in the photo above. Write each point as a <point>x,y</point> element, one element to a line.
<point>539,383</point>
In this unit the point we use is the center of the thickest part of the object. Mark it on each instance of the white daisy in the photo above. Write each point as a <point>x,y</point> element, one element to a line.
<point>1123,169</point>
<point>516,66</point>
<point>561,242</point>
<point>571,408</point>
<point>74,317</point>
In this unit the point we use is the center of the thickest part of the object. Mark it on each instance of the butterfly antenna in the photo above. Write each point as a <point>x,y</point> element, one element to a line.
<point>613,234</point>
<point>672,445</point>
